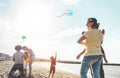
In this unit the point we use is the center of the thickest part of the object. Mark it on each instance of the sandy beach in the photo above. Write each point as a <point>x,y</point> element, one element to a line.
<point>41,71</point>
<point>38,71</point>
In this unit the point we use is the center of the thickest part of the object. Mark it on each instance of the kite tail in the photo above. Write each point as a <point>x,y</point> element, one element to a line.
<point>62,15</point>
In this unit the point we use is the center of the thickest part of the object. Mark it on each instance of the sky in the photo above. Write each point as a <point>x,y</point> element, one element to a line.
<point>46,33</point>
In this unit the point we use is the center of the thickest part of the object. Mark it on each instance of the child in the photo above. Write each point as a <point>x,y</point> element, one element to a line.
<point>26,61</point>
<point>53,64</point>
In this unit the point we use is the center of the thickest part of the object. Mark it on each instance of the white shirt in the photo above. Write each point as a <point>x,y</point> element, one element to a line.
<point>18,56</point>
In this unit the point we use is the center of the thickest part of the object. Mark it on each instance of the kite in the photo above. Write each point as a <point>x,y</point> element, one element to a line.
<point>67,12</point>
<point>23,37</point>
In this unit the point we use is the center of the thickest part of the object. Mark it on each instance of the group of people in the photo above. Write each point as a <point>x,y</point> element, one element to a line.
<point>94,52</point>
<point>23,62</point>
<point>92,39</point>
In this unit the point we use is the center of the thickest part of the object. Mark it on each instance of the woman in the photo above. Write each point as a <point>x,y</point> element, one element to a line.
<point>92,40</point>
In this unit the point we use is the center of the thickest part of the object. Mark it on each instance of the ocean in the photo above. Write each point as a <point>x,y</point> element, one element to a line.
<point>109,70</point>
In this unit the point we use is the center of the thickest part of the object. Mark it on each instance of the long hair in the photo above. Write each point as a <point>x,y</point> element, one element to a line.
<point>95,25</point>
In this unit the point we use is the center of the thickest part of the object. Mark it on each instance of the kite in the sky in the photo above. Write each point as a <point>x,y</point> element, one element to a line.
<point>67,12</point>
<point>23,38</point>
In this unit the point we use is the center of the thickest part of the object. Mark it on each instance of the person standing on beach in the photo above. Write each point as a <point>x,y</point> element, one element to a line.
<point>18,59</point>
<point>26,63</point>
<point>104,56</point>
<point>31,59</point>
<point>93,57</point>
<point>52,66</point>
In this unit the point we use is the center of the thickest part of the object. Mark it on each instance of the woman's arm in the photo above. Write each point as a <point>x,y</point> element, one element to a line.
<point>79,55</point>
<point>81,40</point>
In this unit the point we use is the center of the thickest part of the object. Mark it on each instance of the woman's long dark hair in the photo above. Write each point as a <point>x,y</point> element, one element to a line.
<point>95,25</point>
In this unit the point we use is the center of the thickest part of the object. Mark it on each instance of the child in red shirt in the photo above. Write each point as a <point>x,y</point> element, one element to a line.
<point>52,66</point>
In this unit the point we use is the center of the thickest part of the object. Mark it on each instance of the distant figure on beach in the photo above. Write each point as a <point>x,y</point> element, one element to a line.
<point>104,56</point>
<point>93,57</point>
<point>52,66</point>
<point>32,58</point>
<point>28,60</point>
<point>18,59</point>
